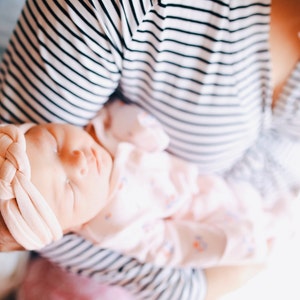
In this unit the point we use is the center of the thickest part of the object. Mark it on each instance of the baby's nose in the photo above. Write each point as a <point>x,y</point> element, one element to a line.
<point>79,162</point>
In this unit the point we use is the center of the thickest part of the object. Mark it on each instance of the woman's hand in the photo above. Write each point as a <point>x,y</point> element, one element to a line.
<point>224,280</point>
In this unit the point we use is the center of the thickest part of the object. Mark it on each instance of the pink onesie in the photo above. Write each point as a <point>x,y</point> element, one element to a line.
<point>162,211</point>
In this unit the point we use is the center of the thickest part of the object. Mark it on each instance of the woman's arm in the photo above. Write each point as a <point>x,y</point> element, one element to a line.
<point>224,280</point>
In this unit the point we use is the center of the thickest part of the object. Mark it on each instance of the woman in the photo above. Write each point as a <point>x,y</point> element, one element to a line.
<point>204,70</point>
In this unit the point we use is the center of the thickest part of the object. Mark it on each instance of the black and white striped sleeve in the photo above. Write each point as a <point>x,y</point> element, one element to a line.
<point>144,281</point>
<point>62,63</point>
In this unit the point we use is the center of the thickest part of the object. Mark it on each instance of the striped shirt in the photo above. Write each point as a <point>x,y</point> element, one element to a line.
<point>202,68</point>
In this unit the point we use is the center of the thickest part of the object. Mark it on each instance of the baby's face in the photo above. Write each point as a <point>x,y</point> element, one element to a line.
<point>70,170</point>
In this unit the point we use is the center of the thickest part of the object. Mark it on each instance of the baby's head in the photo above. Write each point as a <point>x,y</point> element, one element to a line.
<point>53,178</point>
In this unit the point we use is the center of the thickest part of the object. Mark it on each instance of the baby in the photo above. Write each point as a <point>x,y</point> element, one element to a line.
<point>113,184</point>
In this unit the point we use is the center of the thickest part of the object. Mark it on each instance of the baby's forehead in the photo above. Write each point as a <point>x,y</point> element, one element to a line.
<point>61,127</point>
<point>37,135</point>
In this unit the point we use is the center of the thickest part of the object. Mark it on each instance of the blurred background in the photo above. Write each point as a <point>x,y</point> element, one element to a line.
<point>9,10</point>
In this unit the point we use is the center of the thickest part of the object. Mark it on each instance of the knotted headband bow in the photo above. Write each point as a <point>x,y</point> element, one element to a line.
<point>25,212</point>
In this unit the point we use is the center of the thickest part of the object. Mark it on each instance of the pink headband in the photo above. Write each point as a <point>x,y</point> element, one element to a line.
<point>25,212</point>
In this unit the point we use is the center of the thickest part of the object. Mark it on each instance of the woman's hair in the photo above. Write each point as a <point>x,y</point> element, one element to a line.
<point>28,217</point>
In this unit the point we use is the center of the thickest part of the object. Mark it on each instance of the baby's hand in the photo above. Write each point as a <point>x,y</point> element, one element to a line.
<point>130,123</point>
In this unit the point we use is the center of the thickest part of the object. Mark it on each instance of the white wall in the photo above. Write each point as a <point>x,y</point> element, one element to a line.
<point>9,11</point>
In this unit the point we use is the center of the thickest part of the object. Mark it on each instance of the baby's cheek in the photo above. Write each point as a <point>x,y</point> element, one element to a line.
<point>91,196</point>
<point>89,206</point>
